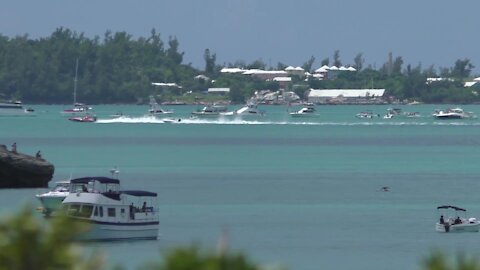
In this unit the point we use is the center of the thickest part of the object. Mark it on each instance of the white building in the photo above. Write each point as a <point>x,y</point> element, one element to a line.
<point>346,95</point>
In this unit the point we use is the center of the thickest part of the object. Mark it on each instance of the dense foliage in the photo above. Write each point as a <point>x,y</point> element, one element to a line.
<point>120,69</point>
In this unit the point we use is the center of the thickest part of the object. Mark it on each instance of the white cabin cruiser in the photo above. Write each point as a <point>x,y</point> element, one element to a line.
<point>52,200</point>
<point>450,220</point>
<point>455,113</point>
<point>155,109</point>
<point>250,109</point>
<point>307,111</point>
<point>111,213</point>
<point>210,111</point>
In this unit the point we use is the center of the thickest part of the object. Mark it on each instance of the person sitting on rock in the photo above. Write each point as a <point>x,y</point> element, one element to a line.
<point>14,147</point>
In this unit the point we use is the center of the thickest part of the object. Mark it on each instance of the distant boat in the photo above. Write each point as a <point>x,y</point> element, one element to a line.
<point>307,111</point>
<point>78,108</point>
<point>155,109</point>
<point>15,108</point>
<point>455,113</point>
<point>366,114</point>
<point>210,111</point>
<point>249,109</point>
<point>84,119</point>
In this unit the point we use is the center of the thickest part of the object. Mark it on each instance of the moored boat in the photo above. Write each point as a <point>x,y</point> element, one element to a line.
<point>111,213</point>
<point>15,109</point>
<point>450,220</point>
<point>52,200</point>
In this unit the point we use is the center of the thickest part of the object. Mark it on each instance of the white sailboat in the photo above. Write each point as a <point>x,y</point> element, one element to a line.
<point>78,108</point>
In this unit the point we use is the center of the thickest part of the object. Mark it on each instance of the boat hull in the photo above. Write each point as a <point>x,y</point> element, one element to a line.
<point>109,231</point>
<point>51,203</point>
<point>456,228</point>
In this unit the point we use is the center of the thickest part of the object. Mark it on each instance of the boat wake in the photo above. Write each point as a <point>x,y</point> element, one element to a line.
<point>147,119</point>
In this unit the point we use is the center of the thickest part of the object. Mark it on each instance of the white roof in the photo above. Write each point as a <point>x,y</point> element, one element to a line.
<point>282,79</point>
<point>351,69</point>
<point>289,68</point>
<point>469,84</point>
<point>343,68</point>
<point>299,69</point>
<point>260,71</point>
<point>218,89</point>
<point>333,68</point>
<point>477,79</point>
<point>346,92</point>
<point>231,70</point>
<point>166,84</point>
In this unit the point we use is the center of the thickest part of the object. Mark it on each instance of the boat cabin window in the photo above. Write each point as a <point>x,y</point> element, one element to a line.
<point>111,212</point>
<point>101,211</point>
<point>86,211</point>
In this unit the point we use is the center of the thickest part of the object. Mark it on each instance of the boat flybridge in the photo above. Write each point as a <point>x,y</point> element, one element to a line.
<point>155,109</point>
<point>112,213</point>
<point>454,219</point>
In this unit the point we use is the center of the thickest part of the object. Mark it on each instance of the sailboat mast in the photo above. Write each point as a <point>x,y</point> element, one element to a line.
<point>75,84</point>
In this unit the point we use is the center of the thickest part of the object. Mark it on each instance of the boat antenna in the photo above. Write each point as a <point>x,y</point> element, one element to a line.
<point>114,171</point>
<point>75,83</point>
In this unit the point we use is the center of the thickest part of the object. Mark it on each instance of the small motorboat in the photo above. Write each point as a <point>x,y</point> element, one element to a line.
<point>112,213</point>
<point>52,200</point>
<point>251,109</point>
<point>454,219</point>
<point>210,111</point>
<point>366,114</point>
<point>455,113</point>
<point>307,111</point>
<point>84,119</point>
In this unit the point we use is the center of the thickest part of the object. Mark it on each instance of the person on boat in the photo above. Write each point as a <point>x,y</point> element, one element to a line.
<point>132,211</point>
<point>458,220</point>
<point>14,147</point>
<point>84,188</point>
<point>144,207</point>
<point>442,221</point>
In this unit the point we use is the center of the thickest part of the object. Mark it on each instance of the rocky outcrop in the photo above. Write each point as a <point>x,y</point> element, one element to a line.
<point>18,170</point>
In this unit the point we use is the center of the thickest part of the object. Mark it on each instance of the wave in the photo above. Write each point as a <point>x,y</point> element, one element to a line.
<point>221,121</point>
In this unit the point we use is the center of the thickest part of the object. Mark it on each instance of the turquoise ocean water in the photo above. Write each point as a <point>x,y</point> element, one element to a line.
<point>303,193</point>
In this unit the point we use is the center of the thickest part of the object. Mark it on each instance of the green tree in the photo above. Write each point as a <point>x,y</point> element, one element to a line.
<point>209,62</point>
<point>358,60</point>
<point>462,68</point>
<point>336,58</point>
<point>26,243</point>
<point>307,66</point>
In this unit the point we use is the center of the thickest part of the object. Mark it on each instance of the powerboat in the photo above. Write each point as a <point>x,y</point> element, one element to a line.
<point>52,200</point>
<point>111,213</point>
<point>155,109</point>
<point>210,111</point>
<point>455,113</point>
<point>250,109</point>
<point>307,111</point>
<point>84,119</point>
<point>15,109</point>
<point>451,220</point>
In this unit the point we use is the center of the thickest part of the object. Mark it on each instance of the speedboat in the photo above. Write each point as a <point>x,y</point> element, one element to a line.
<point>15,109</point>
<point>52,200</point>
<point>455,223</point>
<point>455,113</point>
<point>155,109</point>
<point>307,111</point>
<point>84,119</point>
<point>210,111</point>
<point>111,213</point>
<point>250,109</point>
